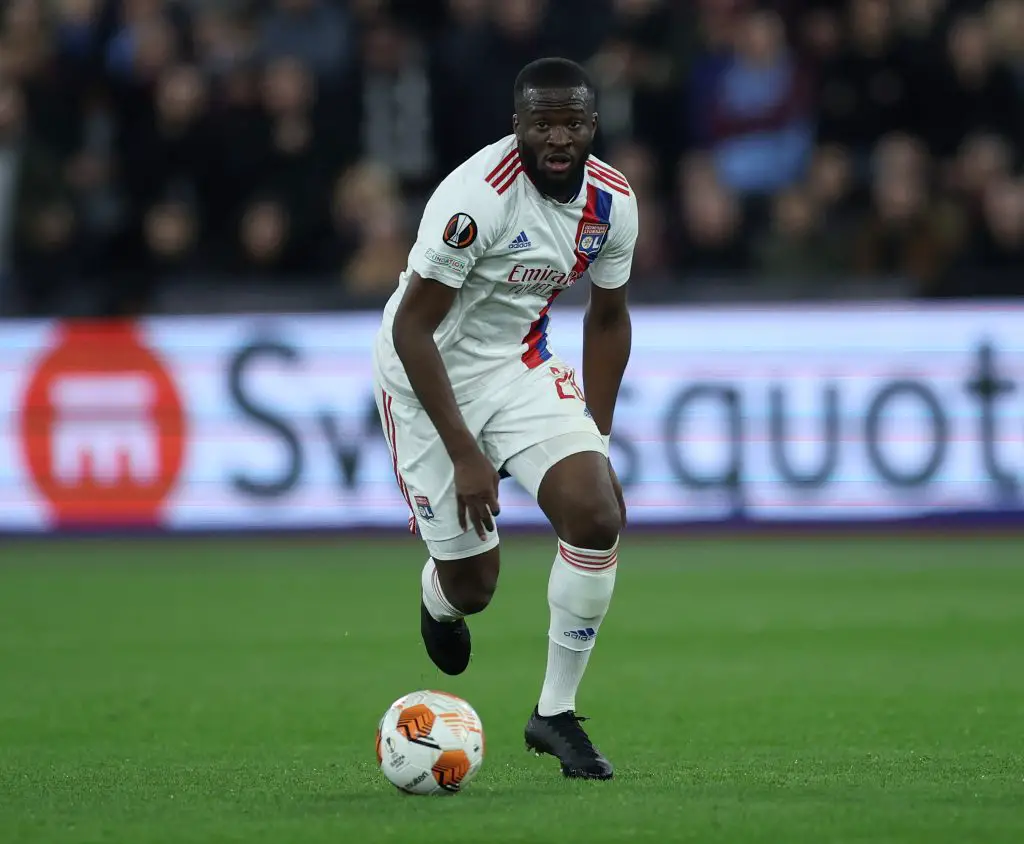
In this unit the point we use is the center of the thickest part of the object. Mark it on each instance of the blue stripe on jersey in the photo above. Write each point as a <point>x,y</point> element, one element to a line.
<point>603,209</point>
<point>542,346</point>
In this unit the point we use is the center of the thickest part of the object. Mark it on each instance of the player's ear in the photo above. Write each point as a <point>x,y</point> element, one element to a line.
<point>515,126</point>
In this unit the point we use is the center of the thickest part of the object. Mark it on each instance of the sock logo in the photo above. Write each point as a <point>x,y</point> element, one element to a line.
<point>581,635</point>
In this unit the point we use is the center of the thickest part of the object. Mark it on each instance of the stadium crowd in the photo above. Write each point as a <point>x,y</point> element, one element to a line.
<point>146,140</point>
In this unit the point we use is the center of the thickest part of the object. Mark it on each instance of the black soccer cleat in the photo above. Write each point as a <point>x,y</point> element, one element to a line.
<point>448,643</point>
<point>563,737</point>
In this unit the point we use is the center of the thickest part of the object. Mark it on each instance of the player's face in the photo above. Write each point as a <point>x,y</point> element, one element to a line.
<point>555,129</point>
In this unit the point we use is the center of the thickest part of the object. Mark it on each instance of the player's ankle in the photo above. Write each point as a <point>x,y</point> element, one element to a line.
<point>551,709</point>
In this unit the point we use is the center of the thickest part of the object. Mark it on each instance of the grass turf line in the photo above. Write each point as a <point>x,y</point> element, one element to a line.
<point>747,691</point>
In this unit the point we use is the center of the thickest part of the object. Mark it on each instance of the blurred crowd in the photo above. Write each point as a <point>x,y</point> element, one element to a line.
<point>143,141</point>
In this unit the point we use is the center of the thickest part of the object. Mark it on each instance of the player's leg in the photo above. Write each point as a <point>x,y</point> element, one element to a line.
<point>571,480</point>
<point>567,472</point>
<point>461,573</point>
<point>454,587</point>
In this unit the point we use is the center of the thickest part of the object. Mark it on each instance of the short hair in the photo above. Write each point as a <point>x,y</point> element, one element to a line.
<point>552,73</point>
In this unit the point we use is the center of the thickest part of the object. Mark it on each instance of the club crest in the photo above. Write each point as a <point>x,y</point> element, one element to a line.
<point>423,508</point>
<point>591,239</point>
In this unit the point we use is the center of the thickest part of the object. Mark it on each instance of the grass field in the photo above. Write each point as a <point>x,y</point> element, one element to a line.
<point>776,691</point>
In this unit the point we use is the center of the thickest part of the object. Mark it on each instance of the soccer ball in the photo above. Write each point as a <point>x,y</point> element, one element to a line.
<point>430,743</point>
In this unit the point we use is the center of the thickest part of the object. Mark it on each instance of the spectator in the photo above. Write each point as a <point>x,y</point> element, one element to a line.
<point>711,241</point>
<point>383,251</point>
<point>760,128</point>
<point>797,246</point>
<point>398,110</point>
<point>172,143</point>
<point>514,36</point>
<point>317,32</point>
<point>171,233</point>
<point>266,243</point>
<point>633,68</point>
<point>973,93</point>
<point>367,205</point>
<point>830,182</point>
<point>991,265</point>
<point>865,92</point>
<point>904,234</point>
<point>1005,21</point>
<point>983,158</point>
<point>279,183</point>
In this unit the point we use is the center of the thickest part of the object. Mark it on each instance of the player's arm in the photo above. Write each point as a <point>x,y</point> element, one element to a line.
<point>423,307</point>
<point>607,340</point>
<point>607,329</point>
<point>449,243</point>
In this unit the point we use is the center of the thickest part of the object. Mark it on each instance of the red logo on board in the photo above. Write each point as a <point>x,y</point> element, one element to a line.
<point>103,428</point>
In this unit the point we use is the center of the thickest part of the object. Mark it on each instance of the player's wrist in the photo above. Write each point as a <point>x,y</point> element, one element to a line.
<point>460,445</point>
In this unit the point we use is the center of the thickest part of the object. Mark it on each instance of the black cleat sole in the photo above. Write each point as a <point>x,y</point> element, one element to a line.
<point>571,774</point>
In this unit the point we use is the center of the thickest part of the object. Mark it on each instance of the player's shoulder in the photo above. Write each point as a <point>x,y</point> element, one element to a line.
<point>494,169</point>
<point>486,176</point>
<point>605,177</point>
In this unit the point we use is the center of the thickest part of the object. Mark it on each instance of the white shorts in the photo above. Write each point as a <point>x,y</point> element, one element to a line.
<point>525,428</point>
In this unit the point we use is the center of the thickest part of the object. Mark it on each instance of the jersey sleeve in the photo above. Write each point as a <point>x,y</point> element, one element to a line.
<point>463,219</point>
<point>613,265</point>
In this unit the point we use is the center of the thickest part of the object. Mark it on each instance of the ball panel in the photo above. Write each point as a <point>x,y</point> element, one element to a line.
<point>450,769</point>
<point>415,722</point>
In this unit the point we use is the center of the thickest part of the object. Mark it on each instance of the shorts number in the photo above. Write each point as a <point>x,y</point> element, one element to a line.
<point>565,383</point>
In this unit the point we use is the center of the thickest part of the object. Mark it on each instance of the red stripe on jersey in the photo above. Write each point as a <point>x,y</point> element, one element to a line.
<point>508,170</point>
<point>605,170</point>
<point>537,338</point>
<point>504,163</point>
<point>607,182</point>
<point>589,216</point>
<point>511,180</point>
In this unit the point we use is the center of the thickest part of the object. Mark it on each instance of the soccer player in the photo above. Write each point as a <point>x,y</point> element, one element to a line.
<point>468,388</point>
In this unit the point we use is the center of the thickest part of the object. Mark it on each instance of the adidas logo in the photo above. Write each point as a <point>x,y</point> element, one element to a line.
<point>521,242</point>
<point>581,635</point>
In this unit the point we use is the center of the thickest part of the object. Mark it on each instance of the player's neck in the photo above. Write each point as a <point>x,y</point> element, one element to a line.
<point>561,195</point>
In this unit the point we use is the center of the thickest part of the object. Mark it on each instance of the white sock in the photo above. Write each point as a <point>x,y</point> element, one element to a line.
<point>579,593</point>
<point>433,598</point>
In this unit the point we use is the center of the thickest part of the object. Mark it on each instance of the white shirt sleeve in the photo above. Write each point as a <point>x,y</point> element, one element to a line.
<point>613,265</point>
<point>463,219</point>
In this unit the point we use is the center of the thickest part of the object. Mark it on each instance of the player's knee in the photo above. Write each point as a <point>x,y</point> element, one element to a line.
<point>592,523</point>
<point>471,596</point>
<point>470,584</point>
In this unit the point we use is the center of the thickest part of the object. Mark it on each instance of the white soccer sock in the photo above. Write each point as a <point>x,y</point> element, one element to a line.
<point>579,593</point>
<point>433,598</point>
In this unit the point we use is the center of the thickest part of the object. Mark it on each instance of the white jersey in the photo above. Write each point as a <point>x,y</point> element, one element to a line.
<point>509,251</point>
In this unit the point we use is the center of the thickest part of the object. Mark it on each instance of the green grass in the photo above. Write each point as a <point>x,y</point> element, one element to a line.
<point>747,691</point>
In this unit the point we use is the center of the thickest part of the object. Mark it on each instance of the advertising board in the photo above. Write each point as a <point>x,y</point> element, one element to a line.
<point>847,414</point>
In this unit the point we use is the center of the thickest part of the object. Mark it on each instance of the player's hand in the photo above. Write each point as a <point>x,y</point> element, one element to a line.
<point>476,490</point>
<point>618,492</point>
